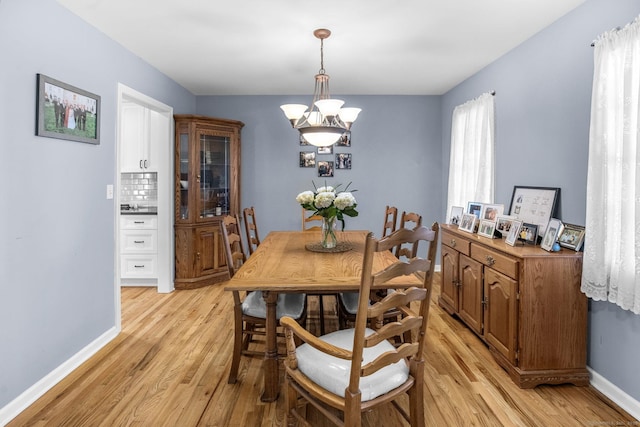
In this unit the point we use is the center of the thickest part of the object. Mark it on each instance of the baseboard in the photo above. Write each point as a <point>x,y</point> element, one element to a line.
<point>617,396</point>
<point>34,392</point>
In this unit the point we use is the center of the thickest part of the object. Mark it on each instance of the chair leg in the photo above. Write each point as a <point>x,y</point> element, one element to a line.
<point>416,397</point>
<point>352,413</point>
<point>237,347</point>
<point>290,402</point>
<point>321,308</point>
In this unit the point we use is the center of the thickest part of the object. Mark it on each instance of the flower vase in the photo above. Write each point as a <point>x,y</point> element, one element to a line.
<point>329,239</point>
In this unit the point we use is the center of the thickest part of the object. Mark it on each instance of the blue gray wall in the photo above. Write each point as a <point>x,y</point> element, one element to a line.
<point>543,101</point>
<point>57,228</point>
<point>395,147</point>
<point>56,225</point>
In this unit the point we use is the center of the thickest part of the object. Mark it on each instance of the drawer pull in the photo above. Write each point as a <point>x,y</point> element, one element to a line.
<point>490,260</point>
<point>138,222</point>
<point>139,266</point>
<point>453,243</point>
<point>138,241</point>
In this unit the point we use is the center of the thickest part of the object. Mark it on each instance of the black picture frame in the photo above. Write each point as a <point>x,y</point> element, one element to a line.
<point>572,237</point>
<point>343,160</point>
<point>325,169</point>
<point>325,150</point>
<point>535,205</point>
<point>528,233</point>
<point>307,159</point>
<point>345,140</point>
<point>66,112</point>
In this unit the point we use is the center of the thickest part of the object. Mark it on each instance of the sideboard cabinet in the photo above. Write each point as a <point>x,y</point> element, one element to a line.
<point>525,303</point>
<point>207,187</point>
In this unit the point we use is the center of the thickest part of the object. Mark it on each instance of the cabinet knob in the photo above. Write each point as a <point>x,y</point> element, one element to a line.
<point>146,164</point>
<point>140,164</point>
<point>453,243</point>
<point>490,260</point>
<point>138,241</point>
<point>198,255</point>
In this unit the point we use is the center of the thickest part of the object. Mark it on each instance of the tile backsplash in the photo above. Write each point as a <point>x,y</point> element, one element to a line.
<point>139,188</point>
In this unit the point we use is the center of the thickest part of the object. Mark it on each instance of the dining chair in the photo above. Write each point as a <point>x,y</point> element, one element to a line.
<point>251,229</point>
<point>249,310</point>
<point>354,370</point>
<point>390,220</point>
<point>313,220</point>
<point>406,220</point>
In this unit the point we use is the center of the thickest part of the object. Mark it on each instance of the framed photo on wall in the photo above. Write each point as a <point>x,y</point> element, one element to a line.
<point>345,140</point>
<point>67,112</point>
<point>307,159</point>
<point>325,169</point>
<point>343,161</point>
<point>535,205</point>
<point>325,150</point>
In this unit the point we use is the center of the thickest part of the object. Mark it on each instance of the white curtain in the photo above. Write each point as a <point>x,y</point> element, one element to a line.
<point>611,268</point>
<point>471,165</point>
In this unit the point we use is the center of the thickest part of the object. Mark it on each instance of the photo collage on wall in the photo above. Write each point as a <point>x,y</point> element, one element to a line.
<point>324,159</point>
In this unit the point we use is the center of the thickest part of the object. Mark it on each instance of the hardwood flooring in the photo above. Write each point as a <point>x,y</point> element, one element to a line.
<point>169,367</point>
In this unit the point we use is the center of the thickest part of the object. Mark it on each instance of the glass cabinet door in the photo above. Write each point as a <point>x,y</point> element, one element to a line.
<point>214,161</point>
<point>182,195</point>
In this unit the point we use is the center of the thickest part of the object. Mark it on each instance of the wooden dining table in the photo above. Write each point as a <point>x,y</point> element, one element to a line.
<point>282,263</point>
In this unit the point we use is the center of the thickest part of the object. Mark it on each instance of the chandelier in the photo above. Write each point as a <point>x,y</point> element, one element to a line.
<point>325,121</point>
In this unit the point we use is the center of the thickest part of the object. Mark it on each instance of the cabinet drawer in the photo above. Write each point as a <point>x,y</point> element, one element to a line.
<point>455,242</point>
<point>503,263</point>
<point>138,222</point>
<point>138,266</point>
<point>143,241</point>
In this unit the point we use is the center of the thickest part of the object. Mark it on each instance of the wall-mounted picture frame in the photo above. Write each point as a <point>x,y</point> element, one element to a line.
<point>572,237</point>
<point>468,223</point>
<point>307,159</point>
<point>325,169</point>
<point>486,228</point>
<point>345,140</point>
<point>528,233</point>
<point>325,150</point>
<point>343,161</point>
<point>67,112</point>
<point>491,212</point>
<point>455,215</point>
<point>474,208</point>
<point>504,223</point>
<point>514,232</point>
<point>554,228</point>
<point>535,205</point>
<point>303,141</point>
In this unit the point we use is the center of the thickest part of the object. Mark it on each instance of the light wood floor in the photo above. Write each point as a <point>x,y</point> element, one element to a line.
<point>169,367</point>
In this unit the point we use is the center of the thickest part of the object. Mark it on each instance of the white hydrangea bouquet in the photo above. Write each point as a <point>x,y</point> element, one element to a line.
<point>330,204</point>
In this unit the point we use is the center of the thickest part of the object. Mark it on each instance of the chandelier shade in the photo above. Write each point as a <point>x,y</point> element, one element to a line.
<point>325,121</point>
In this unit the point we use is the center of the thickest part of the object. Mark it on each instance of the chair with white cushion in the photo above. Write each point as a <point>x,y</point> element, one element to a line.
<point>321,371</point>
<point>250,312</point>
<point>251,229</point>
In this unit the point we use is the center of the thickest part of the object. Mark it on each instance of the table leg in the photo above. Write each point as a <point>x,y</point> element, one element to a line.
<point>270,364</point>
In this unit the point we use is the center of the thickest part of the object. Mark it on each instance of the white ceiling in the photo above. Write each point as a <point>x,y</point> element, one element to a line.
<point>267,47</point>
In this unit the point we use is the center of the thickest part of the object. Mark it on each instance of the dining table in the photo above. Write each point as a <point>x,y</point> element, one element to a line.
<point>293,261</point>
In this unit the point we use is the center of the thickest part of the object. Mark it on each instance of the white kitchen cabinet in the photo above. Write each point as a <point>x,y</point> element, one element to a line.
<point>138,247</point>
<point>139,126</point>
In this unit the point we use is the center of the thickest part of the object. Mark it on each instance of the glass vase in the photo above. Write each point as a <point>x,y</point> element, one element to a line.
<point>329,239</point>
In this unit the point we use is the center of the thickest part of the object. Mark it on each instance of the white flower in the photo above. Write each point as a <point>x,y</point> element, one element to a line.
<point>327,189</point>
<point>344,200</point>
<point>305,197</point>
<point>324,199</point>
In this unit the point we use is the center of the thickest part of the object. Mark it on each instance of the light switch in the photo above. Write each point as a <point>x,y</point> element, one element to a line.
<point>109,191</point>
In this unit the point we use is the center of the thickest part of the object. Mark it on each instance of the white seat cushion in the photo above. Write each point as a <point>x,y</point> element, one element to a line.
<point>332,373</point>
<point>291,305</point>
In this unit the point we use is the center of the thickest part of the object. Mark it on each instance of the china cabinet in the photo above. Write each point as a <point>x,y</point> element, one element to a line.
<point>522,301</point>
<point>207,187</point>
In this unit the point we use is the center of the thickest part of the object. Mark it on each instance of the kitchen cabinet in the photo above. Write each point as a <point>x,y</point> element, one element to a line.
<point>139,126</point>
<point>522,301</point>
<point>139,247</point>
<point>207,187</point>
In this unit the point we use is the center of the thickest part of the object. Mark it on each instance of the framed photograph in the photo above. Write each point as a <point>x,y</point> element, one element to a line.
<point>345,140</point>
<point>571,237</point>
<point>455,215</point>
<point>303,141</point>
<point>468,223</point>
<point>535,205</point>
<point>503,224</point>
<point>486,228</point>
<point>343,161</point>
<point>554,228</point>
<point>528,233</point>
<point>325,169</point>
<point>491,212</point>
<point>67,112</point>
<point>307,159</point>
<point>514,232</point>
<point>474,208</point>
<point>325,150</point>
